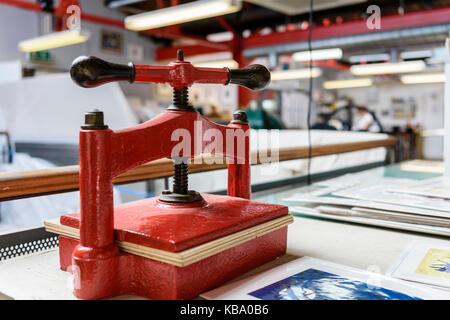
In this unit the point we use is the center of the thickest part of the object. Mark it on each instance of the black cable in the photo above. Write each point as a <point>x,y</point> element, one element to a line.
<point>310,94</point>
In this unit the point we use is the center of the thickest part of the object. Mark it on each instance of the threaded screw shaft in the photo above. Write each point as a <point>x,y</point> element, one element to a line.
<point>180,178</point>
<point>181,98</point>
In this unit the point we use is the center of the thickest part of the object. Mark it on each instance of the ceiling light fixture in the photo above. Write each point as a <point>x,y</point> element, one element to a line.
<point>421,54</point>
<point>352,83</point>
<point>325,54</point>
<point>423,78</point>
<point>296,74</point>
<point>187,12</point>
<point>54,40</point>
<point>370,58</point>
<point>220,37</point>
<point>387,68</point>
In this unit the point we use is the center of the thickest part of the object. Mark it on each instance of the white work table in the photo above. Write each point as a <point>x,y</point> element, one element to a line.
<point>38,276</point>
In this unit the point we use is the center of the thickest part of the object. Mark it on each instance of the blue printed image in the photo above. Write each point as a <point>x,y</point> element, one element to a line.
<point>442,266</point>
<point>315,284</point>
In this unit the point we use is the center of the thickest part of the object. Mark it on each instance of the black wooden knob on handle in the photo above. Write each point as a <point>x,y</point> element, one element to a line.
<point>89,72</point>
<point>254,77</point>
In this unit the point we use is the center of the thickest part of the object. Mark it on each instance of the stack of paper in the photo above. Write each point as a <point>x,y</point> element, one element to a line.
<point>405,204</point>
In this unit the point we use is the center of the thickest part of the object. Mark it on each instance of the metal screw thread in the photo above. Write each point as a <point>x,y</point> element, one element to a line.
<point>181,101</point>
<point>180,178</point>
<point>180,55</point>
<point>181,98</point>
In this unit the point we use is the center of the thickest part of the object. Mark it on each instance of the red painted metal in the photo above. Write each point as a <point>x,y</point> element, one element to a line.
<point>156,224</point>
<point>224,23</point>
<point>105,154</point>
<point>135,146</point>
<point>161,4</point>
<point>160,281</point>
<point>392,22</point>
<point>102,271</point>
<point>167,53</point>
<point>239,180</point>
<point>332,64</point>
<point>180,74</point>
<point>245,96</point>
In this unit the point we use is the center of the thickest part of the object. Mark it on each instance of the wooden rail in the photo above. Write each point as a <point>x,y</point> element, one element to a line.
<point>24,184</point>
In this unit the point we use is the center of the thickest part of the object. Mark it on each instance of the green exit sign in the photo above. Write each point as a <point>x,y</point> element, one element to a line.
<point>42,56</point>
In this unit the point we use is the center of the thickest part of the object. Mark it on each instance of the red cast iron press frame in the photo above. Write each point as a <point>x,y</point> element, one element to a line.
<point>178,222</point>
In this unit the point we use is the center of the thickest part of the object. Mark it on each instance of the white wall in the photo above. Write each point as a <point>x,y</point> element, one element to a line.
<point>54,111</point>
<point>19,24</point>
<point>15,25</point>
<point>429,99</point>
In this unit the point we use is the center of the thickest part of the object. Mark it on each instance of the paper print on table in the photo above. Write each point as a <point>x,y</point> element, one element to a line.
<point>436,262</point>
<point>313,284</point>
<point>314,279</point>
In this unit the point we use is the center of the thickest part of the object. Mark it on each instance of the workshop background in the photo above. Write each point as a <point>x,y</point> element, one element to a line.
<point>402,94</point>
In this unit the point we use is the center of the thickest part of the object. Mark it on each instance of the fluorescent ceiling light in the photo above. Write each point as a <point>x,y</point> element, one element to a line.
<point>220,37</point>
<point>423,78</point>
<point>54,40</point>
<point>353,83</point>
<point>120,3</point>
<point>231,64</point>
<point>370,58</point>
<point>191,11</point>
<point>296,74</point>
<point>416,54</point>
<point>325,54</point>
<point>388,68</point>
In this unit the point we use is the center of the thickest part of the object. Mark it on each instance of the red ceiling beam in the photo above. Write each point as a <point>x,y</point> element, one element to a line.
<point>23,4</point>
<point>161,4</point>
<point>168,53</point>
<point>331,64</point>
<point>165,33</point>
<point>224,23</point>
<point>392,22</point>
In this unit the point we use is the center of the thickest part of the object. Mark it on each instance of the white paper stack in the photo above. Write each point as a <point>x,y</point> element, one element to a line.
<point>420,206</point>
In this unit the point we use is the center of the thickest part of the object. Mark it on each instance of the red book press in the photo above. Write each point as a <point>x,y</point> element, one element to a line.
<point>182,243</point>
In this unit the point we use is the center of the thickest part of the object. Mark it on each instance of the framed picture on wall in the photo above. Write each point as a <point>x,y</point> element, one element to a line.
<point>111,42</point>
<point>403,108</point>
